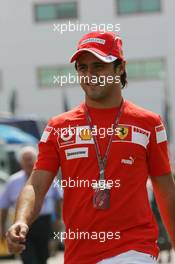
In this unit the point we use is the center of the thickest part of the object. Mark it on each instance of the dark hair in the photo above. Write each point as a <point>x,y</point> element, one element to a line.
<point>75,65</point>
<point>123,77</point>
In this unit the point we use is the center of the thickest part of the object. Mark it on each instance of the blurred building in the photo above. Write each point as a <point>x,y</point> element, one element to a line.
<point>32,51</point>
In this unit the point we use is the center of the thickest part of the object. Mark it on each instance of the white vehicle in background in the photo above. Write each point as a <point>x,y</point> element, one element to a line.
<point>10,129</point>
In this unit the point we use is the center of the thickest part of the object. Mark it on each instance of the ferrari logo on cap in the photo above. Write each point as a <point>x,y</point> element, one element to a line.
<point>121,132</point>
<point>95,40</point>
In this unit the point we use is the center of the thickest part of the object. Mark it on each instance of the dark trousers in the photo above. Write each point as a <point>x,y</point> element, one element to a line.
<point>36,251</point>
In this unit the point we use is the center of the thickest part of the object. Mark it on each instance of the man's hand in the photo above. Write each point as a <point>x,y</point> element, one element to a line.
<point>16,237</point>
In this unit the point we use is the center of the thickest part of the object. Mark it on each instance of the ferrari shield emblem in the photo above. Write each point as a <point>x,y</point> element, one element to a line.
<point>121,132</point>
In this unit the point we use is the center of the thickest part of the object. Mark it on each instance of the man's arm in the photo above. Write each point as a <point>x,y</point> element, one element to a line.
<point>164,190</point>
<point>28,206</point>
<point>31,198</point>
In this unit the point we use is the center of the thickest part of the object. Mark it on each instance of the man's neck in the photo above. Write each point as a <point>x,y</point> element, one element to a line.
<point>114,102</point>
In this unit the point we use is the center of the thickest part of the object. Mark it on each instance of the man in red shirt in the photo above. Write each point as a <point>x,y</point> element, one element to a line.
<point>106,147</point>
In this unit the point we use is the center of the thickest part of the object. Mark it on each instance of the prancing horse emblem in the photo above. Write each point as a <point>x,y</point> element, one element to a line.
<point>121,132</point>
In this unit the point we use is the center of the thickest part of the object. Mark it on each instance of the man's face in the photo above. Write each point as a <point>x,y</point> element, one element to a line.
<point>96,74</point>
<point>27,162</point>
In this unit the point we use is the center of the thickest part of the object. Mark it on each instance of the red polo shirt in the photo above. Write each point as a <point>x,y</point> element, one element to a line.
<point>139,149</point>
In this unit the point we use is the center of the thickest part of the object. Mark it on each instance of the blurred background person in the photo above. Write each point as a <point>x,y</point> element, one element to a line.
<point>37,245</point>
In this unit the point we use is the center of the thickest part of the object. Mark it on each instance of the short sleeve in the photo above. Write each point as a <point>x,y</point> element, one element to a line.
<point>48,156</point>
<point>158,157</point>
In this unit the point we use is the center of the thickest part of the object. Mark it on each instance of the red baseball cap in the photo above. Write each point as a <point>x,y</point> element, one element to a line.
<point>106,46</point>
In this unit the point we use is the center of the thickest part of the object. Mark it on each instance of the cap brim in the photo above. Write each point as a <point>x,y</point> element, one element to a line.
<point>100,55</point>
